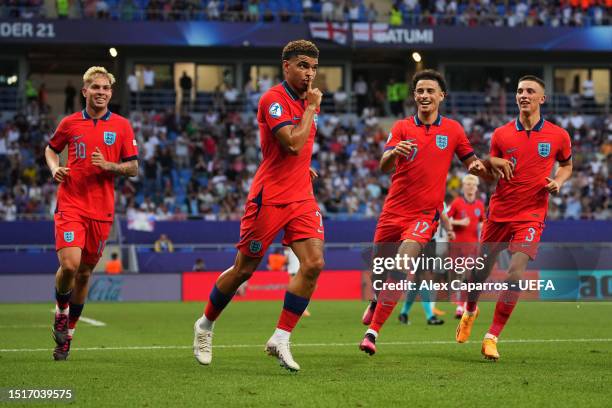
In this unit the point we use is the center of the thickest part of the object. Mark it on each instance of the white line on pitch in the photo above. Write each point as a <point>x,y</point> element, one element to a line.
<point>91,321</point>
<point>236,346</point>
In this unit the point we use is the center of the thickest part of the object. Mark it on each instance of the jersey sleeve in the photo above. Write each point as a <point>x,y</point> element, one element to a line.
<point>276,111</point>
<point>395,136</point>
<point>464,149</point>
<point>61,137</point>
<point>495,151</point>
<point>565,149</point>
<point>452,210</point>
<point>129,149</point>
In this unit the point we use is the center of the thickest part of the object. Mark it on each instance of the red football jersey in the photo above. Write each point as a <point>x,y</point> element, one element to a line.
<point>460,208</point>
<point>282,178</point>
<point>89,190</point>
<point>524,198</point>
<point>419,182</point>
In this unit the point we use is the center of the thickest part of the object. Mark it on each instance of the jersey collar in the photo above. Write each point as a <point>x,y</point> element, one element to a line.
<point>290,91</point>
<point>418,122</point>
<point>538,127</point>
<point>106,116</point>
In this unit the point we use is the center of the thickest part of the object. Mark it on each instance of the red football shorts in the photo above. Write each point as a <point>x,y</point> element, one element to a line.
<point>394,228</point>
<point>518,236</point>
<point>261,223</point>
<point>74,230</point>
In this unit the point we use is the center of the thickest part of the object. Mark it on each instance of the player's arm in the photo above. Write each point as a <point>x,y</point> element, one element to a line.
<point>447,225</point>
<point>462,222</point>
<point>293,138</point>
<point>563,173</point>
<point>128,168</point>
<point>389,158</point>
<point>58,172</point>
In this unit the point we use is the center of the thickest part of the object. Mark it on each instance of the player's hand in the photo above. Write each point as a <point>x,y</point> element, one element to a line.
<point>97,159</point>
<point>60,173</point>
<point>313,96</point>
<point>452,235</point>
<point>502,167</point>
<point>477,168</point>
<point>552,187</point>
<point>404,148</point>
<point>313,174</point>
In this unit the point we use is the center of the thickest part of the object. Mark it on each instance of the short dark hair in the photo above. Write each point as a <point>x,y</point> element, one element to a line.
<point>430,74</point>
<point>533,78</point>
<point>300,47</point>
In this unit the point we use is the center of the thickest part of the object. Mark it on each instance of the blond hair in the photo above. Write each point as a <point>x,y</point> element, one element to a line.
<point>470,177</point>
<point>93,72</point>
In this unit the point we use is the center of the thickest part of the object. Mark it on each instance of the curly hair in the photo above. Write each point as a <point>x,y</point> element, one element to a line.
<point>93,72</point>
<point>300,47</point>
<point>431,75</point>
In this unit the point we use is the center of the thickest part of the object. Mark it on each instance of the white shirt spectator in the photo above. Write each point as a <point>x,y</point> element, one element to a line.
<point>132,82</point>
<point>327,11</point>
<point>410,4</point>
<point>360,87</point>
<point>265,83</point>
<point>148,76</point>
<point>354,12</point>
<point>588,90</point>
<point>233,146</point>
<point>212,8</point>
<point>231,95</point>
<point>577,121</point>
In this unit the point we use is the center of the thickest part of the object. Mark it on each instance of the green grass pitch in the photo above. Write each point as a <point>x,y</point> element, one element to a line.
<point>143,358</point>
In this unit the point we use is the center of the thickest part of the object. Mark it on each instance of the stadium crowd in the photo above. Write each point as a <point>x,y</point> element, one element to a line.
<point>509,13</point>
<point>202,168</point>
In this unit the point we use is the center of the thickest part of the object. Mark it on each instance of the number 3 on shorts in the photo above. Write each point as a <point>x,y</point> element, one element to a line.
<point>531,235</point>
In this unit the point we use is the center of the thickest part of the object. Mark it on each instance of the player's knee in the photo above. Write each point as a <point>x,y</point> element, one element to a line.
<point>312,267</point>
<point>70,267</point>
<point>242,274</point>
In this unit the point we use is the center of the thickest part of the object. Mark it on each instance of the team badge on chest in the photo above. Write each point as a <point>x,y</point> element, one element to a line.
<point>544,149</point>
<point>109,138</point>
<point>441,141</point>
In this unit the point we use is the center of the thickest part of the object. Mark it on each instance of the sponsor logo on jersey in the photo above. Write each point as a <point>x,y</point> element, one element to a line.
<point>69,236</point>
<point>514,149</point>
<point>109,138</point>
<point>441,141</point>
<point>255,246</point>
<point>275,110</point>
<point>74,138</point>
<point>477,212</point>
<point>544,149</point>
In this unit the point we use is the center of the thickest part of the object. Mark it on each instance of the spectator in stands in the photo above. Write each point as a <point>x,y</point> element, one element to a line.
<point>69,95</point>
<point>212,10</point>
<point>113,266</point>
<point>340,100</point>
<point>307,10</point>
<point>360,90</point>
<point>231,96</point>
<point>396,19</point>
<point>253,11</point>
<point>327,10</point>
<point>277,261</point>
<point>148,76</point>
<point>62,8</point>
<point>43,98</point>
<point>186,84</point>
<point>163,244</point>
<point>371,14</point>
<point>199,265</point>
<point>132,82</point>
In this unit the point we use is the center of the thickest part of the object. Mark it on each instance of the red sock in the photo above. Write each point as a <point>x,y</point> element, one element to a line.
<point>287,320</point>
<point>381,314</point>
<point>211,312</point>
<point>503,309</point>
